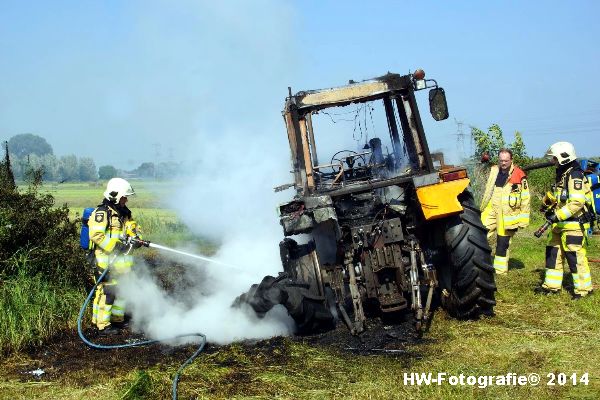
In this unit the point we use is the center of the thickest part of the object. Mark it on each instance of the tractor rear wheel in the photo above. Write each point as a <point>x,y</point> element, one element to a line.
<point>467,283</point>
<point>310,313</point>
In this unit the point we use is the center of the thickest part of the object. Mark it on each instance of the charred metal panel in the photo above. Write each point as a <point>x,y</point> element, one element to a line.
<point>313,202</point>
<point>301,263</point>
<point>303,216</point>
<point>391,231</point>
<point>297,224</point>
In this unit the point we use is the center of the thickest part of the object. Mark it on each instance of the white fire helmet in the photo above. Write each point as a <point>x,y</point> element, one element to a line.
<point>563,151</point>
<point>117,188</point>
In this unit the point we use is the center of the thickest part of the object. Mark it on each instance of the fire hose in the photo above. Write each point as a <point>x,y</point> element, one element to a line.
<point>138,242</point>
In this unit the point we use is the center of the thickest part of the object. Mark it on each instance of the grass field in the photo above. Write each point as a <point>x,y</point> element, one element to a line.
<point>529,334</point>
<point>159,223</point>
<point>79,195</point>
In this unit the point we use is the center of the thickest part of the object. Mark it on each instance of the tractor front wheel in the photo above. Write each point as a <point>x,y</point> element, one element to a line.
<point>467,282</point>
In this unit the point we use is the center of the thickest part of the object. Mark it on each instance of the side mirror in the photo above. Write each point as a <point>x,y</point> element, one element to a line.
<point>437,104</point>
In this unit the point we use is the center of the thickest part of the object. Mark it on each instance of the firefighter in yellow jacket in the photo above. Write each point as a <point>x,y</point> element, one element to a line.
<point>505,205</point>
<point>569,205</point>
<point>110,227</point>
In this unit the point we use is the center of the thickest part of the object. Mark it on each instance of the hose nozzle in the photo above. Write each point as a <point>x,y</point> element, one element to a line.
<point>542,229</point>
<point>139,242</point>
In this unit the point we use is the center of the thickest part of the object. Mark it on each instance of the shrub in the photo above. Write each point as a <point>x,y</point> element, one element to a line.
<point>31,229</point>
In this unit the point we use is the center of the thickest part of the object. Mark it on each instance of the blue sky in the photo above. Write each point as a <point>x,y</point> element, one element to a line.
<point>131,81</point>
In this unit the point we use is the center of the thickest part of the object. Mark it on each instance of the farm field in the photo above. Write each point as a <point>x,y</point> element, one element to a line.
<point>530,334</point>
<point>148,206</point>
<point>79,195</point>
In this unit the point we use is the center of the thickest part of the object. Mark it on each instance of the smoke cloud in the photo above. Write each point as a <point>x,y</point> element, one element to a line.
<point>240,146</point>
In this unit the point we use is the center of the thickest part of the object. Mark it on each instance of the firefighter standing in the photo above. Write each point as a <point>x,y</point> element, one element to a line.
<point>567,210</point>
<point>110,225</point>
<point>505,205</point>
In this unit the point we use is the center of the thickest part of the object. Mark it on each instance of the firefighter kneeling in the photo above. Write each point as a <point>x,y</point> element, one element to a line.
<point>567,210</point>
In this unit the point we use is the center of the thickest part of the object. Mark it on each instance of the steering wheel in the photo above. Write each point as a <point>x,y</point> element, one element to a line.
<point>348,157</point>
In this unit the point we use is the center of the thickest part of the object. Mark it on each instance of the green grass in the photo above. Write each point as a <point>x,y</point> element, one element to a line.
<point>529,334</point>
<point>33,310</point>
<point>159,224</point>
<point>148,194</point>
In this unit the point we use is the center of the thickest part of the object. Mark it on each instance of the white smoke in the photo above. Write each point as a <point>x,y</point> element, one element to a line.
<point>237,205</point>
<point>162,316</point>
<point>242,152</point>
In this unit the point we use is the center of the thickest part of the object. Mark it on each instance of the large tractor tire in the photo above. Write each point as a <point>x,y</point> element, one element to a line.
<point>467,282</point>
<point>310,313</point>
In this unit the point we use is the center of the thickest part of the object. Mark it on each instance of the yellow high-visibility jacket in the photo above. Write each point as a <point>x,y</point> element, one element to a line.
<point>572,192</point>
<point>107,225</point>
<point>515,197</point>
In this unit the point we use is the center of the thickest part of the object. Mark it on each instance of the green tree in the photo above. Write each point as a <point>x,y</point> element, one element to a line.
<point>50,164</point>
<point>107,172</point>
<point>492,141</point>
<point>69,168</point>
<point>145,170</point>
<point>87,169</point>
<point>7,179</point>
<point>28,143</point>
<point>518,148</point>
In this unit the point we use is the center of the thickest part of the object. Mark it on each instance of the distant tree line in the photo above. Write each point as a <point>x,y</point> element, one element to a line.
<point>66,168</point>
<point>29,152</point>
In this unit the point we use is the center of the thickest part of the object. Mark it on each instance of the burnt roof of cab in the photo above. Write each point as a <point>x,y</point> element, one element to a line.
<point>354,92</point>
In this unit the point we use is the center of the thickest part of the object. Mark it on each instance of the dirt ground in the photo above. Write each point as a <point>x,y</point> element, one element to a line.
<point>65,357</point>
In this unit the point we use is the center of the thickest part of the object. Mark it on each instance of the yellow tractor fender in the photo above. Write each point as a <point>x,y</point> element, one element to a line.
<point>441,199</point>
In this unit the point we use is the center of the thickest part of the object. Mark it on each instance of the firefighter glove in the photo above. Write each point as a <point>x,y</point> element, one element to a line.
<point>123,248</point>
<point>551,217</point>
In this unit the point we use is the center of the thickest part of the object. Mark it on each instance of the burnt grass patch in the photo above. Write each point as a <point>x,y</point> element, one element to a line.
<point>395,340</point>
<point>65,358</point>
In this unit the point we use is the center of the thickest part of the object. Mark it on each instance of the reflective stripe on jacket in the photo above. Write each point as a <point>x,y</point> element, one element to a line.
<point>572,192</point>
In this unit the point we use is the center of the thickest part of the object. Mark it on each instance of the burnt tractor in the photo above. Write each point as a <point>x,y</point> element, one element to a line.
<point>380,231</point>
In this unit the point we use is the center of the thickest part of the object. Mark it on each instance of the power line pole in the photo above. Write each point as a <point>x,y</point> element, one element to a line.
<point>156,158</point>
<point>460,139</point>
